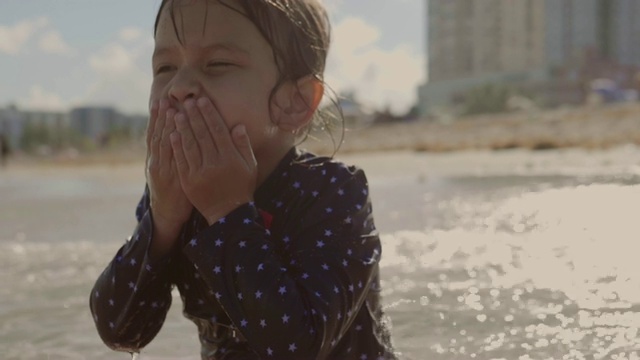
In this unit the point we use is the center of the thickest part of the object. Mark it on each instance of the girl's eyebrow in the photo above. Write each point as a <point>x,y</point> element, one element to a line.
<point>226,46</point>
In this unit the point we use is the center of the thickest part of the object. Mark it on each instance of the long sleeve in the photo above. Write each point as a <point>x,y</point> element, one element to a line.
<point>130,299</point>
<point>294,293</point>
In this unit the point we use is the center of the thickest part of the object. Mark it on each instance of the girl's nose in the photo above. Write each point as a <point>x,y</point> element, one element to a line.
<point>184,85</point>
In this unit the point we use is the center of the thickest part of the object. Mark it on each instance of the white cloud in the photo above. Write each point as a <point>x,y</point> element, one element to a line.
<point>332,6</point>
<point>127,92</point>
<point>52,42</point>
<point>378,76</point>
<point>354,34</point>
<point>13,38</point>
<point>129,34</point>
<point>113,59</point>
<point>123,76</point>
<point>40,99</point>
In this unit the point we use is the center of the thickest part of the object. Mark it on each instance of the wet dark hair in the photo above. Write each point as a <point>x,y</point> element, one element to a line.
<point>299,34</point>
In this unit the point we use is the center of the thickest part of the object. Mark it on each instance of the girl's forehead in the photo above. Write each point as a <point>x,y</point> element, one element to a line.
<point>203,25</point>
<point>187,19</point>
<point>190,2</point>
<point>179,5</point>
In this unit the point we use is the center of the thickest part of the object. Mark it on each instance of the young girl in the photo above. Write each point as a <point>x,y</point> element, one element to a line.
<point>274,250</point>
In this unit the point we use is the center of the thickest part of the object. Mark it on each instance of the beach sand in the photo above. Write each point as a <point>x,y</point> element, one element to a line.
<point>99,197</point>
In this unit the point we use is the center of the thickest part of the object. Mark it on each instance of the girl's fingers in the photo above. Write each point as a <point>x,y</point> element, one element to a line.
<point>192,153</point>
<point>178,153</point>
<point>165,143</point>
<point>201,132</point>
<point>217,127</point>
<point>153,114</point>
<point>158,127</point>
<point>243,144</point>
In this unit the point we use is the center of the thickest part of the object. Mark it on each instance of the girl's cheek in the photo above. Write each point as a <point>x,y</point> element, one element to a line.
<point>157,91</point>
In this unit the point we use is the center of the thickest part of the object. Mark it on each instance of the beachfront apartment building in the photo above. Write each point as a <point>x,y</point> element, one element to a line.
<point>621,21</point>
<point>14,123</point>
<point>96,123</point>
<point>93,123</point>
<point>472,43</point>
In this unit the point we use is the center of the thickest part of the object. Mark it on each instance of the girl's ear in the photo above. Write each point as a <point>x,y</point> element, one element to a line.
<point>297,102</point>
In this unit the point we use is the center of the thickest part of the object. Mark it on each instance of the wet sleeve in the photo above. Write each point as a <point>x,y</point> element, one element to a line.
<point>294,303</point>
<point>131,297</point>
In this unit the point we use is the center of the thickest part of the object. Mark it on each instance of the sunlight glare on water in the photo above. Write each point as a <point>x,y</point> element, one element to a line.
<point>546,273</point>
<point>504,268</point>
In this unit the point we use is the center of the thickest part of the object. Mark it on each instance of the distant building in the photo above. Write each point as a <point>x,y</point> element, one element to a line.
<point>94,123</point>
<point>49,119</point>
<point>97,122</point>
<point>472,43</point>
<point>55,123</point>
<point>620,21</point>
<point>12,125</point>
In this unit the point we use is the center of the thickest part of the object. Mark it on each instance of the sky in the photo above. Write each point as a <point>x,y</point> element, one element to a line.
<point>57,54</point>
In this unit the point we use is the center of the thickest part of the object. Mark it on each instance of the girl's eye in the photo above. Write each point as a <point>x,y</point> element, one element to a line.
<point>219,64</point>
<point>163,69</point>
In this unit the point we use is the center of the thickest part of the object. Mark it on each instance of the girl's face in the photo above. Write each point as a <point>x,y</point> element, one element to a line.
<point>223,57</point>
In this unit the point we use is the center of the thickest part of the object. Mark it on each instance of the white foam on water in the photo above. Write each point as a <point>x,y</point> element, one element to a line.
<point>574,240</point>
<point>557,266</point>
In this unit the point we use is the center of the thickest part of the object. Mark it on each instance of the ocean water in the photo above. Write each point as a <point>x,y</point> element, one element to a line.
<point>533,262</point>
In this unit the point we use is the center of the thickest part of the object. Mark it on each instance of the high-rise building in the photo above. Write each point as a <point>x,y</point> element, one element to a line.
<point>474,38</point>
<point>472,43</point>
<point>621,39</point>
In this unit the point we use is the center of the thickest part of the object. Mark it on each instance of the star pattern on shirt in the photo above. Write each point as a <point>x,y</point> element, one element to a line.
<point>283,267</point>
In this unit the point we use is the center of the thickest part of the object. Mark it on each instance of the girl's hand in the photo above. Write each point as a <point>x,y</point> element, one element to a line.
<point>169,205</point>
<point>217,167</point>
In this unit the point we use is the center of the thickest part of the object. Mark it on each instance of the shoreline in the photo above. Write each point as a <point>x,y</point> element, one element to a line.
<point>599,128</point>
<point>381,165</point>
<point>588,127</point>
